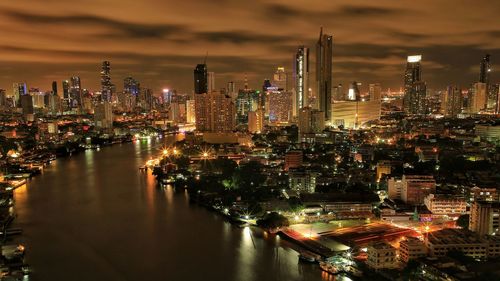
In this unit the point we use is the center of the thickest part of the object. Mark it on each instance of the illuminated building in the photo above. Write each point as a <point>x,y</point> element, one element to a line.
<point>383,168</point>
<point>381,255</point>
<point>483,194</point>
<point>200,79</point>
<point>280,106</point>
<point>190,112</point>
<point>452,101</point>
<point>75,91</point>
<point>484,217</point>
<point>353,94</point>
<point>214,112</point>
<point>353,114</point>
<point>416,188</point>
<point>301,76</point>
<point>19,89</point>
<point>324,56</point>
<point>211,81</point>
<point>145,100</point>
<point>280,79</point>
<point>478,98</point>
<point>255,121</point>
<point>65,88</point>
<point>247,100</point>
<point>411,248</point>
<point>103,115</point>
<point>38,97</point>
<point>375,91</point>
<point>445,205</point>
<point>231,90</point>
<point>131,86</point>
<point>302,180</point>
<point>293,159</point>
<point>415,88</point>
<point>488,132</point>
<point>106,85</point>
<point>469,243</point>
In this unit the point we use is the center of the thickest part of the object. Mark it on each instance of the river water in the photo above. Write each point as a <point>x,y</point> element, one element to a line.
<point>95,216</point>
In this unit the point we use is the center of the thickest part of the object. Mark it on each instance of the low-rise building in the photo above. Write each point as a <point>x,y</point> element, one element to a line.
<point>441,205</point>
<point>411,248</point>
<point>484,217</point>
<point>381,256</point>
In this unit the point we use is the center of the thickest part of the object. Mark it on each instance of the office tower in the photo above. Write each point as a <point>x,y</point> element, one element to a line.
<point>255,121</point>
<point>3,98</point>
<point>484,70</point>
<point>106,85</point>
<point>280,106</point>
<point>75,91</point>
<point>478,98</point>
<point>54,87</point>
<point>18,90</point>
<point>324,55</point>
<point>279,79</point>
<point>375,91</point>
<point>214,112</point>
<point>200,79</point>
<point>131,86</point>
<point>353,94</point>
<point>338,93</point>
<point>103,116</point>
<point>451,102</point>
<point>211,81</point>
<point>484,217</point>
<point>38,98</point>
<point>415,88</point>
<point>301,77</point>
<point>65,87</point>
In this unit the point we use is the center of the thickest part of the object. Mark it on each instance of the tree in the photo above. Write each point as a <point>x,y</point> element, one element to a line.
<point>463,221</point>
<point>273,220</point>
<point>249,175</point>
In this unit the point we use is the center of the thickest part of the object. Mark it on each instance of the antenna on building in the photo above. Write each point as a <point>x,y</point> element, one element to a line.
<point>205,61</point>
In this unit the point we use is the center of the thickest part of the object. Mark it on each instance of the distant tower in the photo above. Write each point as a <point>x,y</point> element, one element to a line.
<point>415,88</point>
<point>75,91</point>
<point>301,77</point>
<point>485,69</point>
<point>106,85</point>
<point>54,88</point>
<point>200,79</point>
<point>211,81</point>
<point>324,55</point>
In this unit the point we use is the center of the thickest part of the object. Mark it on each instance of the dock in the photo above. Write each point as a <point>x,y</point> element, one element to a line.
<point>306,243</point>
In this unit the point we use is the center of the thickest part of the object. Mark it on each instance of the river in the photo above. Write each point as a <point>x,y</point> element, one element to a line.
<point>95,216</point>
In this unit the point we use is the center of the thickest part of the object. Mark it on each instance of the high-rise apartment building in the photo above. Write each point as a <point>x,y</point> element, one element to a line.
<point>75,91</point>
<point>485,69</point>
<point>416,188</point>
<point>211,81</point>
<point>452,101</point>
<point>256,121</point>
<point>18,90</point>
<point>324,56</point>
<point>131,86</point>
<point>478,98</point>
<point>375,91</point>
<point>214,112</point>
<point>280,106</point>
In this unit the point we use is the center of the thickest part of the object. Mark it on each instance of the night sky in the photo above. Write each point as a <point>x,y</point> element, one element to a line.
<point>159,42</point>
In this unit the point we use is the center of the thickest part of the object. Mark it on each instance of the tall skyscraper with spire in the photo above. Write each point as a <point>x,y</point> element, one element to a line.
<point>200,79</point>
<point>106,85</point>
<point>324,55</point>
<point>301,77</point>
<point>415,88</point>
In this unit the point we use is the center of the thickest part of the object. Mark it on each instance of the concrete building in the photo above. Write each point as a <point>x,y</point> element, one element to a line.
<point>302,180</point>
<point>416,188</point>
<point>280,106</point>
<point>375,91</point>
<point>478,98</point>
<point>488,132</point>
<point>411,248</point>
<point>311,121</point>
<point>255,121</point>
<point>214,112</point>
<point>190,112</point>
<point>381,256</point>
<point>383,168</point>
<point>440,242</point>
<point>484,217</point>
<point>103,115</point>
<point>293,159</point>
<point>441,205</point>
<point>394,188</point>
<point>353,114</point>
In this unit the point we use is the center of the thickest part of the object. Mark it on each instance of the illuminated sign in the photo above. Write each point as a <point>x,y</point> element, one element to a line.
<point>414,58</point>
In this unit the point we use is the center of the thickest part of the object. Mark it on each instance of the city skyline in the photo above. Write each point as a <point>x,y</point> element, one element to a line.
<point>371,43</point>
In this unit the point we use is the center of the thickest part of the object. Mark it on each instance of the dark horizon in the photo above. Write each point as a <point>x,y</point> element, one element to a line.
<point>161,43</point>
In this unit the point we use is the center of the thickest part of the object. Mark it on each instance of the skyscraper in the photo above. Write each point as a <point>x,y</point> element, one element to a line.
<point>353,94</point>
<point>478,98</point>
<point>200,79</point>
<point>106,85</point>
<point>211,81</point>
<point>214,112</point>
<point>301,77</point>
<point>279,79</point>
<point>131,86</point>
<point>18,90</point>
<point>485,69</point>
<point>65,87</point>
<point>415,88</point>
<point>375,91</point>
<point>54,87</point>
<point>451,102</point>
<point>75,91</point>
<point>324,55</point>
